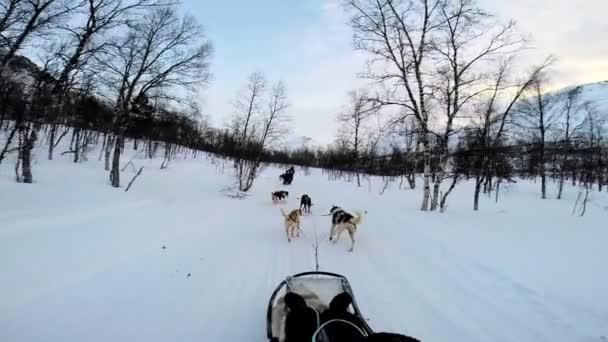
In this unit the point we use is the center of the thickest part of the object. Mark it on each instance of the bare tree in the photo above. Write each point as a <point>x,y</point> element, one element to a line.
<point>352,124</point>
<point>247,107</point>
<point>407,146</point>
<point>22,20</point>
<point>11,14</point>
<point>592,160</point>
<point>570,126</point>
<point>100,16</point>
<point>160,52</point>
<point>538,115</point>
<point>243,127</point>
<point>255,128</point>
<point>495,110</point>
<point>432,54</point>
<point>275,124</point>
<point>468,42</point>
<point>399,34</point>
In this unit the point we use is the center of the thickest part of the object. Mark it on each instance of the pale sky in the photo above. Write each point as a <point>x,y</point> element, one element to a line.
<point>308,45</point>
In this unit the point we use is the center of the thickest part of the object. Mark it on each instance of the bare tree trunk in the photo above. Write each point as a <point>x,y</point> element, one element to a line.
<point>560,187</point>
<point>573,178</point>
<point>490,184</point>
<point>109,144</point>
<point>134,178</point>
<point>585,201</point>
<point>543,183</point>
<point>436,187</point>
<point>53,130</point>
<point>444,197</point>
<point>427,182</point>
<point>18,162</point>
<point>103,145</point>
<point>150,154</point>
<point>478,181</point>
<point>8,142</point>
<point>76,140</point>
<point>497,189</point>
<point>29,141</point>
<point>115,172</point>
<point>168,155</point>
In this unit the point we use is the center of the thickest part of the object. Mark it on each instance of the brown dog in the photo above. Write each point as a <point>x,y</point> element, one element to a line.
<point>292,223</point>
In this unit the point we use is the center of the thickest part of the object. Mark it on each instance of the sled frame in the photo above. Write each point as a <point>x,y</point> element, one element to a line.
<point>313,274</point>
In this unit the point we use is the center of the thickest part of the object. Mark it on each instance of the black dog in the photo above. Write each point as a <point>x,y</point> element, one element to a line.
<point>279,195</point>
<point>301,320</point>
<point>305,203</point>
<point>340,331</point>
<point>287,177</point>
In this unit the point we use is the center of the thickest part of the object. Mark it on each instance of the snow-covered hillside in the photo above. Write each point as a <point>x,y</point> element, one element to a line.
<point>176,260</point>
<point>596,93</point>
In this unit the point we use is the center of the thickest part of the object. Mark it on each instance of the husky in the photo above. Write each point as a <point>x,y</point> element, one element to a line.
<point>292,223</point>
<point>305,203</point>
<point>278,196</point>
<point>341,221</point>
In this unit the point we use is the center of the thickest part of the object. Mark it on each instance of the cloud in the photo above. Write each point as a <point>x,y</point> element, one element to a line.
<point>574,32</point>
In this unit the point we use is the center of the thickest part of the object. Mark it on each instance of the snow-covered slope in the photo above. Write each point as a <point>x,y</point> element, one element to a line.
<point>176,260</point>
<point>596,93</point>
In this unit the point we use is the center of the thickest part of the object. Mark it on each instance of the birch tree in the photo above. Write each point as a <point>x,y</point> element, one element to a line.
<point>494,114</point>
<point>86,39</point>
<point>160,52</point>
<point>430,57</point>
<point>571,125</point>
<point>258,123</point>
<point>398,36</point>
<point>538,115</point>
<point>352,124</point>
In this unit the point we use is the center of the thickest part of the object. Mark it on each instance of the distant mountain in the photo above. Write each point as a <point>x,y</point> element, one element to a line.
<point>595,93</point>
<point>24,70</point>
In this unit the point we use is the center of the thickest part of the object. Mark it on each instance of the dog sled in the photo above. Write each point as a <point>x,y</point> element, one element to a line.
<point>318,289</point>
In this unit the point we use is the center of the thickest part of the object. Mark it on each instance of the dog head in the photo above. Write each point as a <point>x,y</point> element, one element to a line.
<point>294,301</point>
<point>334,209</point>
<point>341,302</point>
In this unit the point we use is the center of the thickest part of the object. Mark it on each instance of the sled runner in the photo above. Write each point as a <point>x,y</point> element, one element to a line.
<point>317,289</point>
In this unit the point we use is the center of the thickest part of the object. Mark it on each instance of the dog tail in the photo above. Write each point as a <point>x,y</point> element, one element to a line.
<point>358,217</point>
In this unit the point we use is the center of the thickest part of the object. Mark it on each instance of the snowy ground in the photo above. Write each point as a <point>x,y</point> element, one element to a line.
<point>81,261</point>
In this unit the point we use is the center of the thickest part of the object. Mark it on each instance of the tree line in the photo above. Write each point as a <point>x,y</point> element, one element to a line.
<point>448,98</point>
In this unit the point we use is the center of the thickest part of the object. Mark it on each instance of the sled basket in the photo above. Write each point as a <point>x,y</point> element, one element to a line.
<point>318,289</point>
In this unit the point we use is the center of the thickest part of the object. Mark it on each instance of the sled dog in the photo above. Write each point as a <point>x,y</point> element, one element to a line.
<point>341,221</point>
<point>292,223</point>
<point>305,203</point>
<point>278,196</point>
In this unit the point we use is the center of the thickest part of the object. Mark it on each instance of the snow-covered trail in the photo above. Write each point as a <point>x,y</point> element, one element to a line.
<point>81,261</point>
